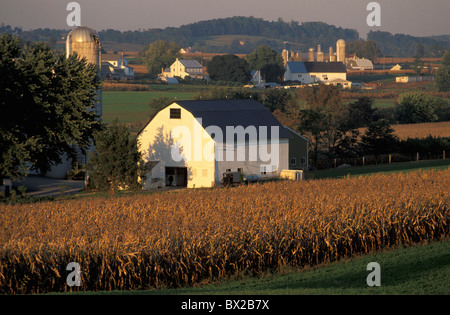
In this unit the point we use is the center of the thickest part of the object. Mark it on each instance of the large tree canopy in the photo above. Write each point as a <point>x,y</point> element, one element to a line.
<point>268,61</point>
<point>160,54</point>
<point>229,68</point>
<point>47,105</point>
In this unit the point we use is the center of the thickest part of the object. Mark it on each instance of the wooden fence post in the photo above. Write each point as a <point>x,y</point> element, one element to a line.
<point>389,159</point>
<point>443,154</point>
<point>363,160</point>
<point>417,157</point>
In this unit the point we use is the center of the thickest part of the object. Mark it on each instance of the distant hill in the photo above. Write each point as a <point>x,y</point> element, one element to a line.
<point>246,34</point>
<point>243,34</point>
<point>400,45</point>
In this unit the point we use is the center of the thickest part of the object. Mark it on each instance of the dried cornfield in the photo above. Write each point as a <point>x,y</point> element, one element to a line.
<point>199,236</point>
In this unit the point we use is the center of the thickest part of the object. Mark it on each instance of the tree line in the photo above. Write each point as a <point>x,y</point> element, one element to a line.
<point>344,130</point>
<point>273,33</point>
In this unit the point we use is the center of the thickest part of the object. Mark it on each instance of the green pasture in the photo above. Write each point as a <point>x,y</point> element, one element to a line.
<point>380,168</point>
<point>133,106</point>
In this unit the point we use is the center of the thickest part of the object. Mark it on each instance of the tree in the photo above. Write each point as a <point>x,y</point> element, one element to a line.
<point>446,59</point>
<point>47,103</point>
<point>443,74</point>
<point>416,107</point>
<point>268,61</point>
<point>116,163</point>
<point>417,65</point>
<point>370,50</point>
<point>229,68</point>
<point>379,138</point>
<point>323,119</point>
<point>159,55</point>
<point>361,112</point>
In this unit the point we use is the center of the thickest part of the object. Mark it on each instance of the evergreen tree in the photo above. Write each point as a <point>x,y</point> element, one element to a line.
<point>116,163</point>
<point>47,104</point>
<point>379,138</point>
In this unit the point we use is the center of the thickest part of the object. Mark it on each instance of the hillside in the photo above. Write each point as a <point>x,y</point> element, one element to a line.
<point>201,35</point>
<point>241,35</point>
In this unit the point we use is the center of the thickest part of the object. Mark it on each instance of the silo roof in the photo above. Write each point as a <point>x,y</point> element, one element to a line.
<point>82,34</point>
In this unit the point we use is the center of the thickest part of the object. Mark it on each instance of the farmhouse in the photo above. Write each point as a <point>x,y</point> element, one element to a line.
<point>185,68</point>
<point>192,143</point>
<point>310,72</point>
<point>115,66</point>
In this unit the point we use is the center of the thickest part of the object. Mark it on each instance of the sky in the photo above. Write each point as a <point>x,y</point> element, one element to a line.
<point>412,17</point>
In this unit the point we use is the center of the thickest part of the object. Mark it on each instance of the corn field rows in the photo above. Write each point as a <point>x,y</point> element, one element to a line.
<point>186,238</point>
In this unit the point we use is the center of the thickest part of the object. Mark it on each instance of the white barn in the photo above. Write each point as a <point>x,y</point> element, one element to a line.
<point>192,143</point>
<point>310,72</point>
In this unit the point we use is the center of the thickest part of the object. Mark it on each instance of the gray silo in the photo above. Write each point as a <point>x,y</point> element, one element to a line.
<point>340,50</point>
<point>85,43</point>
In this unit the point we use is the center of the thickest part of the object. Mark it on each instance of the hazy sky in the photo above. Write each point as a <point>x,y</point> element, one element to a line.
<point>413,17</point>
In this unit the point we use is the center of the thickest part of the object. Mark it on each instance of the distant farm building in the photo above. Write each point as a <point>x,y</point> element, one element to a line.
<point>407,79</point>
<point>115,66</point>
<point>359,64</point>
<point>184,68</point>
<point>193,143</point>
<point>257,79</point>
<point>310,72</point>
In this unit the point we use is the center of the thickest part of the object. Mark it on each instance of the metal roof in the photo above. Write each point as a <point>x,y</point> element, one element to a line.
<point>188,63</point>
<point>233,113</point>
<point>325,67</point>
<point>296,67</point>
<point>81,34</point>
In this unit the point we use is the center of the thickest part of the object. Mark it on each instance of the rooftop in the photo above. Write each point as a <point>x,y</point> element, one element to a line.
<point>316,66</point>
<point>82,34</point>
<point>223,113</point>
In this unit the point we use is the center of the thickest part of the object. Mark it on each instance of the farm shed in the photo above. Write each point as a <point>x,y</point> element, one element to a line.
<point>193,143</point>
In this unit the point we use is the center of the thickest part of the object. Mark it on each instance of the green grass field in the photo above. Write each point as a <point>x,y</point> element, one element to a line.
<point>132,106</point>
<point>380,168</point>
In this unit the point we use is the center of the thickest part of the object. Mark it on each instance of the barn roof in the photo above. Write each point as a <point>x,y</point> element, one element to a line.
<point>325,67</point>
<point>315,66</point>
<point>223,113</point>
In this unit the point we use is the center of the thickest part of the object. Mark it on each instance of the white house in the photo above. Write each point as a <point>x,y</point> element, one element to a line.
<point>185,68</point>
<point>310,72</point>
<point>192,143</point>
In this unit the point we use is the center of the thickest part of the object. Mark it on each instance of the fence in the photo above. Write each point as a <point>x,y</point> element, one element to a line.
<point>366,160</point>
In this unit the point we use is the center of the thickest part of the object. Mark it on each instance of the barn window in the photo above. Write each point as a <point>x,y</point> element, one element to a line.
<point>303,160</point>
<point>293,161</point>
<point>175,113</point>
<point>263,170</point>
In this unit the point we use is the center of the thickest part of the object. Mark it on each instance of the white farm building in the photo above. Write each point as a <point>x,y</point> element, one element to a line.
<point>192,143</point>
